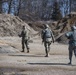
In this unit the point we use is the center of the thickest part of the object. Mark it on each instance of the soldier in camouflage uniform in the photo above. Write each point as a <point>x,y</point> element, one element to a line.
<point>47,38</point>
<point>25,38</point>
<point>72,42</point>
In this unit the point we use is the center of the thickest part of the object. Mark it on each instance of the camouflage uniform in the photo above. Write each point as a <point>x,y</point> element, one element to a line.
<point>47,40</point>
<point>72,43</point>
<point>24,35</point>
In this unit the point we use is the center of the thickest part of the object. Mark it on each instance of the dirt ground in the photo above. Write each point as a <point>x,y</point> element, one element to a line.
<point>13,62</point>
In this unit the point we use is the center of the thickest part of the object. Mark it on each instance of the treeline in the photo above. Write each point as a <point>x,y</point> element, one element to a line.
<point>38,9</point>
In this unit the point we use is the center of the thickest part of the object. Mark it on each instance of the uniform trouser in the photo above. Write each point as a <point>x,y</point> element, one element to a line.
<point>47,47</point>
<point>71,50</point>
<point>25,42</point>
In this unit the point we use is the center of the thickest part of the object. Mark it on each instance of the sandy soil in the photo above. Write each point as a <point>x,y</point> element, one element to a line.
<point>13,62</point>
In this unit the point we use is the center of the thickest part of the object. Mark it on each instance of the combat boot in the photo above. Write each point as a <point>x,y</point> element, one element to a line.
<point>46,55</point>
<point>27,50</point>
<point>69,62</point>
<point>22,50</point>
<point>75,53</point>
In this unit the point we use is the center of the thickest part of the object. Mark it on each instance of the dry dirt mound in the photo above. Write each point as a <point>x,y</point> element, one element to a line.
<point>12,25</point>
<point>59,27</point>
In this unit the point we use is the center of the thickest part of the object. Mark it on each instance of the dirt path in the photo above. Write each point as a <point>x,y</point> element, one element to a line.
<point>34,63</point>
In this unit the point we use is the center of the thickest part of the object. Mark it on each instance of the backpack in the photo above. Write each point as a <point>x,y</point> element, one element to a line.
<point>48,33</point>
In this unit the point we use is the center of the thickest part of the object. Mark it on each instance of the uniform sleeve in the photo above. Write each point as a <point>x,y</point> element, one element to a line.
<point>27,35</point>
<point>20,35</point>
<point>52,36</point>
<point>68,35</point>
<point>42,34</point>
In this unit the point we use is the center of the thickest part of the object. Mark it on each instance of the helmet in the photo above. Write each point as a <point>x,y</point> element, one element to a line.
<point>46,25</point>
<point>23,27</point>
<point>73,27</point>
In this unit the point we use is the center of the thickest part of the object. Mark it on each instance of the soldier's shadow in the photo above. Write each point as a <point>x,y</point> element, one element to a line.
<point>31,55</point>
<point>51,64</point>
<point>26,55</point>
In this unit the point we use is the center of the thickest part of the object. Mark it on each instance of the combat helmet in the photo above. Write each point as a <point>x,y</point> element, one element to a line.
<point>46,25</point>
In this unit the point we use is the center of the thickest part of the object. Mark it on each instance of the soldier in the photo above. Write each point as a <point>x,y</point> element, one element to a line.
<point>47,38</point>
<point>25,38</point>
<point>72,42</point>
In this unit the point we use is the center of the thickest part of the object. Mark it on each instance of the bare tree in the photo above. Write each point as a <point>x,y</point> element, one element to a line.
<point>56,15</point>
<point>73,5</point>
<point>9,8</point>
<point>0,6</point>
<point>65,6</point>
<point>19,7</point>
<point>38,9</point>
<point>70,5</point>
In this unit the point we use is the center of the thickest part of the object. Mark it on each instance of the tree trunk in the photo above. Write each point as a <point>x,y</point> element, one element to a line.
<point>10,2</point>
<point>19,6</point>
<point>0,6</point>
<point>70,5</point>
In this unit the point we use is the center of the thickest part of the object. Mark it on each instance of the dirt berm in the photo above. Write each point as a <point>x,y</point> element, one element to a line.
<point>11,25</point>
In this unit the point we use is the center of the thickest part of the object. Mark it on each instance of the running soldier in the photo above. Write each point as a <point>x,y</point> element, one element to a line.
<point>47,38</point>
<point>25,38</point>
<point>72,42</point>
